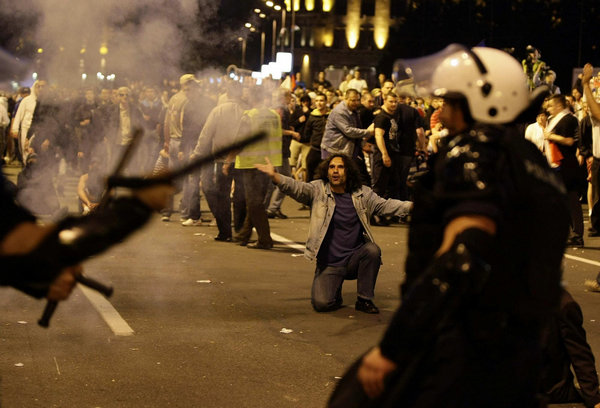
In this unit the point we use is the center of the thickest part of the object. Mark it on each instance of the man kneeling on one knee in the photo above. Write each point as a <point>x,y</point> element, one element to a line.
<point>339,237</point>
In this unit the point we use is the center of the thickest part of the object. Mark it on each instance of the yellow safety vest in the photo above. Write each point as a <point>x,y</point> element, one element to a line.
<point>261,120</point>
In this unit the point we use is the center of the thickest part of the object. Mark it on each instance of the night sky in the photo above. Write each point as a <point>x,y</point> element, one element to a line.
<point>566,32</point>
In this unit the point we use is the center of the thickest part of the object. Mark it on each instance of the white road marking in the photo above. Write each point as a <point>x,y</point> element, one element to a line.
<point>294,245</point>
<point>110,315</point>
<point>584,260</point>
<point>57,369</point>
<point>287,242</point>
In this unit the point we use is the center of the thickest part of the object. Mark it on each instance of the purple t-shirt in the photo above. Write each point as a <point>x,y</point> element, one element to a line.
<point>344,235</point>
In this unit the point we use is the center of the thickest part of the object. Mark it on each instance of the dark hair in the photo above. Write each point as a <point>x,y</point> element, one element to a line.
<point>560,99</point>
<point>350,92</point>
<point>305,98</point>
<point>458,101</point>
<point>353,182</point>
<point>390,94</point>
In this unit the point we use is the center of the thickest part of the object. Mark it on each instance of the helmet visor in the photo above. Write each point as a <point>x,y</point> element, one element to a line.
<point>421,69</point>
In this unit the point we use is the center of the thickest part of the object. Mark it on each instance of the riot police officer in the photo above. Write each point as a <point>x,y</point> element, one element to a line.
<point>485,246</point>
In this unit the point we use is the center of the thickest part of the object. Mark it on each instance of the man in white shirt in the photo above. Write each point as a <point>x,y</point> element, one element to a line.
<point>22,120</point>
<point>535,132</point>
<point>357,82</point>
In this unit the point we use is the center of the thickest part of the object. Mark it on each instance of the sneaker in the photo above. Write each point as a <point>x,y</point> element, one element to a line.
<point>366,306</point>
<point>592,285</point>
<point>165,218</point>
<point>191,223</point>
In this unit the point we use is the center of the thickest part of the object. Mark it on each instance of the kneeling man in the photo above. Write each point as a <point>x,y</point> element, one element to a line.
<point>339,237</point>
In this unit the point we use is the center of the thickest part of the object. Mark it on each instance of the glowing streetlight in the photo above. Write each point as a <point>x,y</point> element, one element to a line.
<point>277,7</point>
<point>270,3</point>
<point>257,10</point>
<point>40,50</point>
<point>247,25</point>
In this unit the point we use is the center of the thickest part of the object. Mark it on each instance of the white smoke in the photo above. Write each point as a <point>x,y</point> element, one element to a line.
<point>143,38</point>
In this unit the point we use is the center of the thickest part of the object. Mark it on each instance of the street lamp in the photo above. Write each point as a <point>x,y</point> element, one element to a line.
<point>243,41</point>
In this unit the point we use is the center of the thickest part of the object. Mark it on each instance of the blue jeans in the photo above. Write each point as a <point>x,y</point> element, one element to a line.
<point>278,196</point>
<point>190,202</point>
<point>363,266</point>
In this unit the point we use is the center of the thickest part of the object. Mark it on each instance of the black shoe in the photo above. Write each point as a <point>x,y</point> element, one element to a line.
<point>276,214</point>
<point>593,232</point>
<point>366,305</point>
<point>258,245</point>
<point>575,242</point>
<point>222,239</point>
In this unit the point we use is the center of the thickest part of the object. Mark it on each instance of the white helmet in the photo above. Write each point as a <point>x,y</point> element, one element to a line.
<point>492,81</point>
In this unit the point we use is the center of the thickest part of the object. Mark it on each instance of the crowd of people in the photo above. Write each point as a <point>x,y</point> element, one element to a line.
<point>351,155</point>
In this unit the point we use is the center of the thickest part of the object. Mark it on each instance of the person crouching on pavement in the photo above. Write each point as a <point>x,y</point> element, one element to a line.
<point>339,236</point>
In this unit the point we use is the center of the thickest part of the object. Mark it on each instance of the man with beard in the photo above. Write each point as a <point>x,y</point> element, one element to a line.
<point>340,238</point>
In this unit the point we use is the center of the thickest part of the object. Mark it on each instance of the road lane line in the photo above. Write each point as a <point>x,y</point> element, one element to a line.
<point>56,363</point>
<point>287,242</point>
<point>110,315</point>
<point>588,261</point>
<point>294,245</point>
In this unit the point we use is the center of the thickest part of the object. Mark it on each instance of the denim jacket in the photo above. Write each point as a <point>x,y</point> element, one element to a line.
<point>318,195</point>
<point>341,135</point>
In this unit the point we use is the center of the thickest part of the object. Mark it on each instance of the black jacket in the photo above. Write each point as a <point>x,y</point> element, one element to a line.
<point>565,345</point>
<point>314,128</point>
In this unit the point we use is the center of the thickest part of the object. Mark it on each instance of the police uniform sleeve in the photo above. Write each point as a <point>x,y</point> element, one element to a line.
<point>12,214</point>
<point>74,240</point>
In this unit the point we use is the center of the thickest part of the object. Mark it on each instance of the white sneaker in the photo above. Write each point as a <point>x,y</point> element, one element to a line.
<point>592,285</point>
<point>165,218</point>
<point>191,223</point>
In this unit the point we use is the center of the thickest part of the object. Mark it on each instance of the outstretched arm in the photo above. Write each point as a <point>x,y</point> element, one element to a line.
<point>588,73</point>
<point>269,170</point>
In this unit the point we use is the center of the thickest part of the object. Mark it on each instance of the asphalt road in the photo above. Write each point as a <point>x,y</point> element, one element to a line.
<point>199,323</point>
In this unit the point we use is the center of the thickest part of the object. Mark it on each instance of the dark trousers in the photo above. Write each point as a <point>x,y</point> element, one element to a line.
<point>217,190</point>
<point>385,179</point>
<point>239,200</point>
<point>313,158</point>
<point>403,167</point>
<point>255,187</point>
<point>363,266</point>
<point>576,213</point>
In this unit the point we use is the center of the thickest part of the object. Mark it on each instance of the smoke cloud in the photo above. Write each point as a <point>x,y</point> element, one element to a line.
<point>139,39</point>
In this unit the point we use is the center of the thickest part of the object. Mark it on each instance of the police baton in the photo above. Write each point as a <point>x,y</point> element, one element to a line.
<point>137,183</point>
<point>107,291</point>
